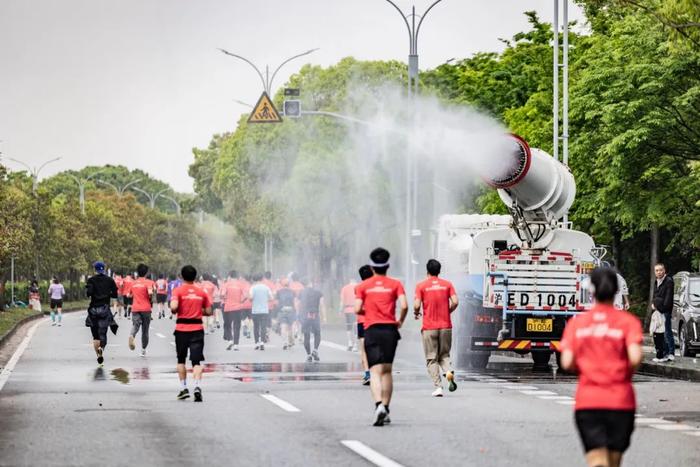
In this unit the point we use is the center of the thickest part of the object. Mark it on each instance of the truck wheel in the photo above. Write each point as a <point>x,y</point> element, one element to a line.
<point>683,340</point>
<point>541,359</point>
<point>479,360</point>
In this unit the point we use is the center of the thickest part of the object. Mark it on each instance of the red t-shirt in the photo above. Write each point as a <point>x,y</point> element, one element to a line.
<point>347,298</point>
<point>435,295</point>
<point>245,285</point>
<point>379,295</point>
<point>126,285</point>
<point>210,289</point>
<point>191,301</point>
<point>141,290</point>
<point>599,339</point>
<point>119,281</point>
<point>162,287</point>
<point>233,295</point>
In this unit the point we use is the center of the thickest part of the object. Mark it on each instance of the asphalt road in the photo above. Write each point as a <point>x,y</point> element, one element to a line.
<point>58,408</point>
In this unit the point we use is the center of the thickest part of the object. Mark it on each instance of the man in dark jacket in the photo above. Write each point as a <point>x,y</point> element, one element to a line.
<point>663,302</point>
<point>101,289</point>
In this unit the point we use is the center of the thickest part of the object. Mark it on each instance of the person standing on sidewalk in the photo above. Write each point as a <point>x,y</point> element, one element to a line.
<point>604,346</point>
<point>658,334</point>
<point>311,311</point>
<point>101,289</point>
<point>347,309</point>
<point>140,293</point>
<point>56,294</point>
<point>376,298</point>
<point>663,303</point>
<point>260,296</point>
<point>190,303</point>
<point>34,296</point>
<point>438,299</point>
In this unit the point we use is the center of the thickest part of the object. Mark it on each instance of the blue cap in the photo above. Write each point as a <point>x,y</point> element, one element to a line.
<point>99,266</point>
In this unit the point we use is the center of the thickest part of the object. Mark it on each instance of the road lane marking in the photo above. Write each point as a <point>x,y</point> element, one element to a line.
<point>282,404</point>
<point>672,427</point>
<point>160,335</point>
<point>172,343</point>
<point>335,346</point>
<point>538,393</point>
<point>651,420</point>
<point>555,398</point>
<point>7,371</point>
<point>369,454</point>
<point>692,433</point>
<point>521,387</point>
<point>566,402</point>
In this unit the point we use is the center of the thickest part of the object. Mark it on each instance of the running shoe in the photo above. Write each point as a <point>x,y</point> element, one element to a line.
<point>184,394</point>
<point>354,348</point>
<point>218,325</point>
<point>197,394</point>
<point>670,357</point>
<point>53,324</point>
<point>349,347</point>
<point>314,355</point>
<point>100,358</point>
<point>59,325</point>
<point>451,379</point>
<point>284,347</point>
<point>132,344</point>
<point>262,346</point>
<point>257,346</point>
<point>437,392</point>
<point>143,352</point>
<point>365,380</point>
<point>387,419</point>
<point>230,345</point>
<point>379,415</point>
<point>235,348</point>
<point>309,359</point>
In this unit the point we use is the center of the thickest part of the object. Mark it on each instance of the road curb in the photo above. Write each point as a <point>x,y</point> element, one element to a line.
<point>670,371</point>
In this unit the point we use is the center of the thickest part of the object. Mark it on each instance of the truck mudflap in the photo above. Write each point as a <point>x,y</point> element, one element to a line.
<point>515,344</point>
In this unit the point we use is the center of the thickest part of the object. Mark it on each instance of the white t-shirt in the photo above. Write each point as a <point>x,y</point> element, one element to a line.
<point>623,290</point>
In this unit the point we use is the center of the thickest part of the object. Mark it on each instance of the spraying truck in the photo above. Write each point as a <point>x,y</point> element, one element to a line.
<point>518,276</point>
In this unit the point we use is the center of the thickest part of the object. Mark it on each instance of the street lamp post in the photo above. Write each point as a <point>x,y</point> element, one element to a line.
<point>411,160</point>
<point>34,172</point>
<point>81,186</point>
<point>267,80</point>
<point>178,209</point>
<point>120,190</point>
<point>152,197</point>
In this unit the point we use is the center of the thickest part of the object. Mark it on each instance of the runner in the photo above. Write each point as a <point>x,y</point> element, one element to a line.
<point>233,297</point>
<point>210,288</point>
<point>173,283</point>
<point>216,306</point>
<point>347,309</point>
<point>100,288</point>
<point>376,298</point>
<point>272,322</point>
<point>438,299</point>
<point>190,304</point>
<point>260,296</point>
<point>126,290</point>
<point>296,287</point>
<point>140,295</point>
<point>287,313</point>
<point>246,309</point>
<point>118,304</point>
<point>604,346</point>
<point>311,310</point>
<point>161,295</point>
<point>56,294</point>
<point>365,273</point>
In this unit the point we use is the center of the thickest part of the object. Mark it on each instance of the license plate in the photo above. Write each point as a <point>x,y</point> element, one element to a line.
<point>535,300</point>
<point>539,325</point>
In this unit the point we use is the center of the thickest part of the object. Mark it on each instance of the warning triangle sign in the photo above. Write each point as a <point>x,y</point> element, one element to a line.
<point>264,111</point>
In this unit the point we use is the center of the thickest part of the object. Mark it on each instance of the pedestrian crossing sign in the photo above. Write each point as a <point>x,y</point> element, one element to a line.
<point>264,111</point>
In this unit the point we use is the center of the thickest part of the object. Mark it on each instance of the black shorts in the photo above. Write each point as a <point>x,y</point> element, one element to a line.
<point>360,331</point>
<point>192,341</point>
<point>128,301</point>
<point>380,343</point>
<point>161,298</point>
<point>287,315</point>
<point>247,314</point>
<point>56,303</point>
<point>610,429</point>
<point>216,306</point>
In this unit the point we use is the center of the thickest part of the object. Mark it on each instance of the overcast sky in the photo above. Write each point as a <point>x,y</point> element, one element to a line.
<point>140,82</point>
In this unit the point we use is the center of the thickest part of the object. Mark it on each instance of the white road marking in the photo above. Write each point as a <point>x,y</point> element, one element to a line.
<point>335,346</point>
<point>555,398</point>
<point>160,335</point>
<point>7,371</point>
<point>692,433</point>
<point>282,404</point>
<point>369,454</point>
<point>521,387</point>
<point>566,402</point>
<point>172,343</point>
<point>651,420</point>
<point>538,393</point>
<point>672,427</point>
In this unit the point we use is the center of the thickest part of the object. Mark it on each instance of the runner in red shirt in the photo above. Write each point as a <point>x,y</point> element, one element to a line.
<point>365,273</point>
<point>347,309</point>
<point>119,281</point>
<point>161,295</point>
<point>296,286</point>
<point>376,298</point>
<point>438,299</point>
<point>140,293</point>
<point>604,345</point>
<point>233,298</point>
<point>126,291</point>
<point>190,303</point>
<point>210,288</point>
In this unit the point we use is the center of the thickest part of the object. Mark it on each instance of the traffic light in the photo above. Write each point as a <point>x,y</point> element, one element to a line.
<point>292,109</point>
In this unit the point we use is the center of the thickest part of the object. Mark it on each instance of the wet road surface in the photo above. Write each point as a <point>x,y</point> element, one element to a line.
<point>271,408</point>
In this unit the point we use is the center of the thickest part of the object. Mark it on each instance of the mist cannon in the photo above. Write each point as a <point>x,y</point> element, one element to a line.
<point>535,186</point>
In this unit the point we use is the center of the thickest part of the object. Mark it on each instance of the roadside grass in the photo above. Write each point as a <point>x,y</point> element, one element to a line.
<point>12,316</point>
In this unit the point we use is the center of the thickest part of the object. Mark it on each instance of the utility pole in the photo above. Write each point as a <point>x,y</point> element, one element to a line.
<point>81,186</point>
<point>120,190</point>
<point>411,160</point>
<point>152,197</point>
<point>562,135</point>
<point>34,172</point>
